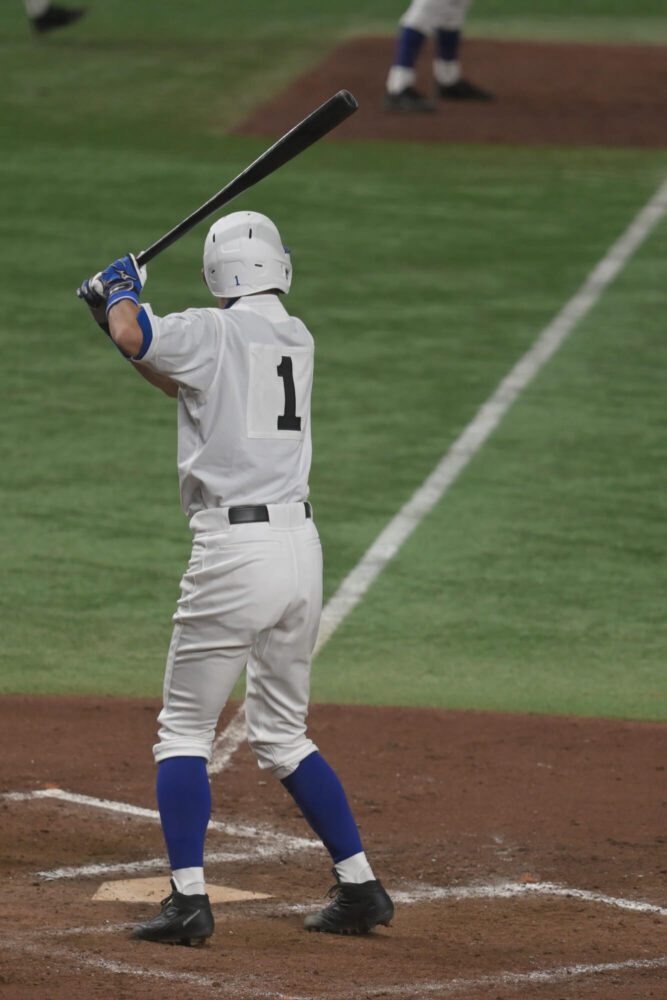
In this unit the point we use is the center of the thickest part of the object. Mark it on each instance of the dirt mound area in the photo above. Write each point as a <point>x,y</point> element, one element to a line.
<point>545,94</point>
<point>525,855</point>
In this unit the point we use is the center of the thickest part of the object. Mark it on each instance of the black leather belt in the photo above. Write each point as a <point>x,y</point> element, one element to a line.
<point>248,514</point>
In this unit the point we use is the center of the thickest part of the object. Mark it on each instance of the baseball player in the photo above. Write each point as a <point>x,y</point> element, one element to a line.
<point>251,595</point>
<point>443,19</point>
<point>45,16</point>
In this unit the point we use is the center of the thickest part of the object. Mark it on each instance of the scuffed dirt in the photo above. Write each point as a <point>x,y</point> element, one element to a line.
<point>444,801</point>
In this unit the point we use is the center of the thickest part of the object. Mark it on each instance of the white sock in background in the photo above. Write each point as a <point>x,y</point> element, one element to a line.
<point>446,73</point>
<point>399,78</point>
<point>36,8</point>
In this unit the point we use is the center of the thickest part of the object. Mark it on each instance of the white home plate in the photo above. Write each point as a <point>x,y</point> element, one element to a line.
<point>154,890</point>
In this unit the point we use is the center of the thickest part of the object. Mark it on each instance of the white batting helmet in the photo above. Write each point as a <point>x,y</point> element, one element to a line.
<point>244,253</point>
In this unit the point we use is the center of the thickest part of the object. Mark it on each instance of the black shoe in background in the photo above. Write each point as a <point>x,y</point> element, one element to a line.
<point>463,90</point>
<point>57,17</point>
<point>407,100</point>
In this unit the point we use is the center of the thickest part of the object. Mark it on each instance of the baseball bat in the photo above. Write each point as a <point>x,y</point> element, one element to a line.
<point>317,124</point>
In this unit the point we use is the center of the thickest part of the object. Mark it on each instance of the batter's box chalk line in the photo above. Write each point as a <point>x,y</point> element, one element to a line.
<point>266,843</point>
<point>410,991</point>
<point>260,842</point>
<point>418,893</point>
<point>517,890</point>
<point>236,830</point>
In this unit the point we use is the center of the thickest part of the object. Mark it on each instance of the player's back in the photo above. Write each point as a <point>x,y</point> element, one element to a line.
<point>246,438</point>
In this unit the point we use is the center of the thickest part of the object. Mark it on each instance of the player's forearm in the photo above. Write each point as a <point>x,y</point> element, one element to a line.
<point>124,327</point>
<point>128,335</point>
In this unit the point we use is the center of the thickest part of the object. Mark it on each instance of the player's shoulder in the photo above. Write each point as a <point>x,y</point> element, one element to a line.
<point>202,318</point>
<point>202,313</point>
<point>266,316</point>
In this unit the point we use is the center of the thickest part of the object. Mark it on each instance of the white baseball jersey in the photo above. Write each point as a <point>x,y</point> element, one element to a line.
<point>245,377</point>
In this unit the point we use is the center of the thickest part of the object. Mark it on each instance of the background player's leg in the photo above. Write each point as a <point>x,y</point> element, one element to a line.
<point>450,84</point>
<point>35,8</point>
<point>45,16</point>
<point>446,66</point>
<point>415,26</point>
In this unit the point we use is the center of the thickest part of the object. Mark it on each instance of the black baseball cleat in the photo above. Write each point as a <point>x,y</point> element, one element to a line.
<point>56,17</point>
<point>182,920</point>
<point>407,100</point>
<point>356,909</point>
<point>462,90</point>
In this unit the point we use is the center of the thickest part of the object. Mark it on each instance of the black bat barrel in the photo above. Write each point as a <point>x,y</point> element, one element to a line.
<point>321,121</point>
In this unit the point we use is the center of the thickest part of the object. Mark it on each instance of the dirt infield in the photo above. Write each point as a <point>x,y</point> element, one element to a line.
<point>546,94</point>
<point>526,856</point>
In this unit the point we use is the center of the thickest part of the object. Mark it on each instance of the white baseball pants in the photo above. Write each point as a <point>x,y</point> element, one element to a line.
<point>251,597</point>
<point>429,15</point>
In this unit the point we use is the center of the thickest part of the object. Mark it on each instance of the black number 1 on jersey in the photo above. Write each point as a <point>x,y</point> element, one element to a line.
<point>289,420</point>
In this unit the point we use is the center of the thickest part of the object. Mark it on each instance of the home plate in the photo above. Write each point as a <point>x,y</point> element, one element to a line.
<point>154,890</point>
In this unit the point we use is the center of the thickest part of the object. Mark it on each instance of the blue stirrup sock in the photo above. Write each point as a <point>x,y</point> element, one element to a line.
<point>447,44</point>
<point>408,47</point>
<point>317,791</point>
<point>184,803</point>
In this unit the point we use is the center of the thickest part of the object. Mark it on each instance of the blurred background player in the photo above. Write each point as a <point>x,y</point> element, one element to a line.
<point>443,19</point>
<point>45,16</point>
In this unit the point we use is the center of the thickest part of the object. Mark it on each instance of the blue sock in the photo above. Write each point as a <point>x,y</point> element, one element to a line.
<point>408,45</point>
<point>184,801</point>
<point>317,791</point>
<point>447,44</point>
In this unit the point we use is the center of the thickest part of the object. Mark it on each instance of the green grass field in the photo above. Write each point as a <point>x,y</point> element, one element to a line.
<point>538,582</point>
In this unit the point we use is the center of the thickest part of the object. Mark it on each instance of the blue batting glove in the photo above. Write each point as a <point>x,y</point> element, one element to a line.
<point>123,279</point>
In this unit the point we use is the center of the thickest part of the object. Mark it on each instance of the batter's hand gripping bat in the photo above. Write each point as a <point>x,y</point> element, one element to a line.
<point>317,124</point>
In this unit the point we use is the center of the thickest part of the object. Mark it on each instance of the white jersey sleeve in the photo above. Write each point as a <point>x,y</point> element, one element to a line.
<point>186,346</point>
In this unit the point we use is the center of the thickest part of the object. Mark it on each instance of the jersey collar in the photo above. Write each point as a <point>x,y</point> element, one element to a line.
<point>268,303</point>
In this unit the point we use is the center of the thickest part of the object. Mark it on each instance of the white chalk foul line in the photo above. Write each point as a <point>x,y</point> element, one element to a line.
<point>487,419</point>
<point>228,742</point>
